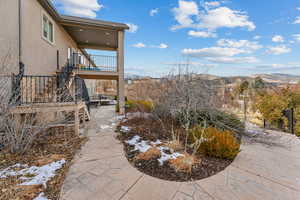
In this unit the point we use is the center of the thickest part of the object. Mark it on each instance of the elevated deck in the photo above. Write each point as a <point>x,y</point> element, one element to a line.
<point>96,74</point>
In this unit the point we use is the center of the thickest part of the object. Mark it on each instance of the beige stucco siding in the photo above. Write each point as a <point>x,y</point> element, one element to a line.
<point>9,34</point>
<point>39,56</point>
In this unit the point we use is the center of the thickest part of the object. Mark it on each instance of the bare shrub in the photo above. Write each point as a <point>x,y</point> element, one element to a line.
<point>19,129</point>
<point>183,95</point>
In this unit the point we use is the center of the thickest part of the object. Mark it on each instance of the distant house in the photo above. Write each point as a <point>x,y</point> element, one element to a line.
<point>48,50</point>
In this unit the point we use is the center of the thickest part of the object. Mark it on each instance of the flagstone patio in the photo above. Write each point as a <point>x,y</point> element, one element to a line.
<point>102,172</point>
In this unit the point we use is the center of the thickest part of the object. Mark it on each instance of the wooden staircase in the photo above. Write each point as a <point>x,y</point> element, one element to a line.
<point>84,114</point>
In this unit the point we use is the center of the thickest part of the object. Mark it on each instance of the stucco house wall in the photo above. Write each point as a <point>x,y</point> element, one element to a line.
<point>9,33</point>
<point>38,55</point>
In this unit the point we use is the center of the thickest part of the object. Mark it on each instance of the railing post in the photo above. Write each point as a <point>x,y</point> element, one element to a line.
<point>57,61</point>
<point>89,61</point>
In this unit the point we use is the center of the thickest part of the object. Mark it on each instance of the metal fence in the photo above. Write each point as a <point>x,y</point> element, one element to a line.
<point>280,125</point>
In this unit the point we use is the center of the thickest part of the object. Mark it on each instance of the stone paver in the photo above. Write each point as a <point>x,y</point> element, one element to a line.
<point>260,172</point>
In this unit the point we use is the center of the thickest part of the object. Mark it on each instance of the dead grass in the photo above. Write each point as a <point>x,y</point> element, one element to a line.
<point>175,145</point>
<point>55,145</point>
<point>184,163</point>
<point>148,155</point>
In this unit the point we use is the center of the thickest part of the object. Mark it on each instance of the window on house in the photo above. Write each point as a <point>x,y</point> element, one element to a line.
<point>48,29</point>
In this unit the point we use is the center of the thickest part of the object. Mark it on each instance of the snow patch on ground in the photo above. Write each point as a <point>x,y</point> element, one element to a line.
<point>138,114</point>
<point>139,145</point>
<point>144,145</point>
<point>120,117</point>
<point>157,142</point>
<point>165,156</point>
<point>125,129</point>
<point>133,140</point>
<point>41,197</point>
<point>33,175</point>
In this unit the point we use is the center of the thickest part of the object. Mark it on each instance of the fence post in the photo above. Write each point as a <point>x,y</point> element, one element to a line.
<point>292,121</point>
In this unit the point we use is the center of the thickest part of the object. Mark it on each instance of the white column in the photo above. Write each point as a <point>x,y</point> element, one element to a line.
<point>121,83</point>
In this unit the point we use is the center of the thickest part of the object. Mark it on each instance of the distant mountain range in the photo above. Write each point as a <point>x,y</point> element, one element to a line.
<point>133,76</point>
<point>270,78</point>
<point>279,78</point>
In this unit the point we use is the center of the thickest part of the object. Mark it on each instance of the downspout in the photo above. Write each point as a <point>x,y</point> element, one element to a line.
<point>20,32</point>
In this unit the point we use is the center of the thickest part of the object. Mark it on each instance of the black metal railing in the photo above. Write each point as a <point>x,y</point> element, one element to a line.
<point>63,87</point>
<point>49,89</point>
<point>15,98</point>
<point>38,89</point>
<point>98,63</point>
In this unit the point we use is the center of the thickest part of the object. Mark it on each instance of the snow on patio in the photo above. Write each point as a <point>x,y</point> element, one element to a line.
<point>33,175</point>
<point>144,145</point>
<point>105,126</point>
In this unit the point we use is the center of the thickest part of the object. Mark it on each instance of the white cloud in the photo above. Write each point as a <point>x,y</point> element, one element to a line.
<point>233,60</point>
<point>212,4</point>
<point>202,34</point>
<point>153,12</point>
<point>142,45</point>
<point>139,45</point>
<point>160,46</point>
<point>196,64</point>
<point>211,17</point>
<point>225,17</point>
<point>297,37</point>
<point>227,51</point>
<point>242,44</point>
<point>132,28</point>
<point>298,8</point>
<point>276,66</point>
<point>297,20</point>
<point>213,52</point>
<point>163,46</point>
<point>277,50</point>
<point>87,8</point>
<point>257,37</point>
<point>277,38</point>
<point>184,13</point>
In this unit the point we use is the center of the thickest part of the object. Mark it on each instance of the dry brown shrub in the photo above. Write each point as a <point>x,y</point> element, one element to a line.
<point>184,163</point>
<point>175,145</point>
<point>148,155</point>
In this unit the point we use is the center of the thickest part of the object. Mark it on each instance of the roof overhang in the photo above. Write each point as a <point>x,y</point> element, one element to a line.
<point>88,33</point>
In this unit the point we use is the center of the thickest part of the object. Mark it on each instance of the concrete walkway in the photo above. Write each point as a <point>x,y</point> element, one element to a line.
<point>260,172</point>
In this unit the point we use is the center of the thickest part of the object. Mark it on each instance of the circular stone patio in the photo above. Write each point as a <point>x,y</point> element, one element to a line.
<point>261,171</point>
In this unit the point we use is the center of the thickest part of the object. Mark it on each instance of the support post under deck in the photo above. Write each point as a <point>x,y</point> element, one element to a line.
<point>121,83</point>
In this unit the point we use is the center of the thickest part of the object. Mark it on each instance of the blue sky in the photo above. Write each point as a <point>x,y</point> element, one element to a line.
<point>237,37</point>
